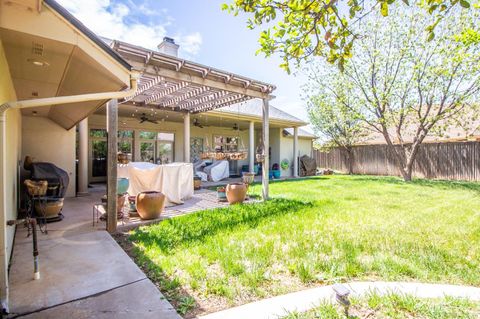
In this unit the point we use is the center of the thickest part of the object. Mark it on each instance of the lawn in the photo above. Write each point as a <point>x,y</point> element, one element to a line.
<point>315,231</point>
<point>395,306</point>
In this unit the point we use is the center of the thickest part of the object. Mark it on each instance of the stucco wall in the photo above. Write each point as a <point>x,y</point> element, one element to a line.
<point>286,150</point>
<point>46,141</point>
<point>207,133</point>
<point>9,155</point>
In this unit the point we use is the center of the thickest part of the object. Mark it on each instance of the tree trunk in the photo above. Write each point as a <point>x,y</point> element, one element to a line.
<point>349,155</point>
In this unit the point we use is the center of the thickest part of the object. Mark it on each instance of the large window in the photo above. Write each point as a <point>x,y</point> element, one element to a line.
<point>225,143</point>
<point>157,147</point>
<point>125,143</point>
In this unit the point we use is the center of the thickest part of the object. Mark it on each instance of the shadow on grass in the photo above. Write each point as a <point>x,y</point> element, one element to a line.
<point>194,227</point>
<point>440,184</point>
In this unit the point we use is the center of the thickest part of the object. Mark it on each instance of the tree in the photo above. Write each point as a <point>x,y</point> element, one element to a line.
<point>326,28</point>
<point>409,88</point>
<point>334,116</point>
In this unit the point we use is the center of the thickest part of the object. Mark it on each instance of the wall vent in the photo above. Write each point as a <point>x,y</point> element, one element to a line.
<point>37,49</point>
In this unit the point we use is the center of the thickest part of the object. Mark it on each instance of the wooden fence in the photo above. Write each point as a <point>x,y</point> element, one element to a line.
<point>452,161</point>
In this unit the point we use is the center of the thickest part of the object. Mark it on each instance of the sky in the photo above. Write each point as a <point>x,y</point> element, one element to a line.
<point>205,33</point>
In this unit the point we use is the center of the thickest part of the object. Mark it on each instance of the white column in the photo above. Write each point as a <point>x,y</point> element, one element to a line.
<point>186,138</point>
<point>295,152</point>
<point>112,150</point>
<point>82,158</point>
<point>251,147</point>
<point>266,146</point>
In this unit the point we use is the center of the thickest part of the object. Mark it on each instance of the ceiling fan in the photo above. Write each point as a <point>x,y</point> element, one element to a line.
<point>197,123</point>
<point>236,128</point>
<point>144,118</point>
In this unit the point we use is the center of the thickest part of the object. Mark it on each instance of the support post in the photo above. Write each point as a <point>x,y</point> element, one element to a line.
<point>266,147</point>
<point>112,149</point>
<point>186,138</point>
<point>295,152</point>
<point>251,147</point>
<point>4,289</point>
<point>82,158</point>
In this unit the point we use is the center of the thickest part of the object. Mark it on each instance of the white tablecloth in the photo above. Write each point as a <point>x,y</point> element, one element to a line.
<point>174,180</point>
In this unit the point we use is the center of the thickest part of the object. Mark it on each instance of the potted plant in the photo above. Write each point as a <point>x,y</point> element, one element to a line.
<point>276,171</point>
<point>221,194</point>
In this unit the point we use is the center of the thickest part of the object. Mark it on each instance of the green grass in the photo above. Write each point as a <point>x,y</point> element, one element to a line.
<point>395,306</point>
<point>316,231</point>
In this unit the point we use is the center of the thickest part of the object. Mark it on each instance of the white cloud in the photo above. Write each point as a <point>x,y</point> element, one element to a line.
<point>112,20</point>
<point>190,43</point>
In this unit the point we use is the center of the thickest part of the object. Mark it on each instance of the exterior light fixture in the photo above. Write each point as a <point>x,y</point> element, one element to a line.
<point>341,295</point>
<point>37,62</point>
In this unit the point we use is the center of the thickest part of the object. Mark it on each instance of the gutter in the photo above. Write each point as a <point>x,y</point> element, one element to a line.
<point>3,150</point>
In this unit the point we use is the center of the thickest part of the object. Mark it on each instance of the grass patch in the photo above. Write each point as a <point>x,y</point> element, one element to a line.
<point>395,306</point>
<point>316,231</point>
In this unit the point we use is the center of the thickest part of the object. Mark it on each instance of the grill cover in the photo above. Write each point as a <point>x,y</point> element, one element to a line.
<point>308,166</point>
<point>52,174</point>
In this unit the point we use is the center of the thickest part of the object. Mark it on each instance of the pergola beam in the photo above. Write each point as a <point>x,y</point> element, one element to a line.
<point>178,76</point>
<point>186,96</point>
<point>216,103</point>
<point>204,100</point>
<point>166,92</point>
<point>145,87</point>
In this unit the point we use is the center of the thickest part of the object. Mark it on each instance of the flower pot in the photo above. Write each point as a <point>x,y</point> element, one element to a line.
<point>236,193</point>
<point>248,178</point>
<point>197,182</point>
<point>221,194</point>
<point>120,203</point>
<point>122,185</point>
<point>276,173</point>
<point>150,204</point>
<point>49,209</point>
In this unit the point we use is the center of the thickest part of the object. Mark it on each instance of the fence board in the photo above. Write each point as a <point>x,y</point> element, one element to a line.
<point>454,161</point>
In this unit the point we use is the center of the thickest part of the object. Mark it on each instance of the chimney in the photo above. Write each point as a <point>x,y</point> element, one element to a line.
<point>169,47</point>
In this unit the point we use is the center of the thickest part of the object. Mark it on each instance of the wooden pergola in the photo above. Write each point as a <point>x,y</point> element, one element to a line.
<point>168,82</point>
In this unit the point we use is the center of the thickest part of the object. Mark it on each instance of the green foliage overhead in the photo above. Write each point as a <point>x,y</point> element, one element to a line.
<point>299,29</point>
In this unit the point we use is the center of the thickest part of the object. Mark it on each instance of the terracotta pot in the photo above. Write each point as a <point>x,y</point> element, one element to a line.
<point>236,193</point>
<point>120,203</point>
<point>49,209</point>
<point>197,182</point>
<point>150,204</point>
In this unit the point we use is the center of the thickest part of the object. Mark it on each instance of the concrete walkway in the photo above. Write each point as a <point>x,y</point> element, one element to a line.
<point>273,308</point>
<point>84,273</point>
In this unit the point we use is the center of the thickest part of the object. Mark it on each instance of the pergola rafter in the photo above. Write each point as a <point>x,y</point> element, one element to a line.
<point>186,86</point>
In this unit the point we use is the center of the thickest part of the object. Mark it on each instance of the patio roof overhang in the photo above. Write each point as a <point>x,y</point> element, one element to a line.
<point>184,86</point>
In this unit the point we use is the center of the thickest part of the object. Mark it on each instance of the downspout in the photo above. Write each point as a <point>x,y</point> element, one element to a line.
<point>44,102</point>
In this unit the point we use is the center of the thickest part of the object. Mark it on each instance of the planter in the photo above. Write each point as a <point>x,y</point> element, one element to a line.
<point>197,182</point>
<point>276,173</point>
<point>248,178</point>
<point>150,204</point>
<point>49,209</point>
<point>122,185</point>
<point>120,204</point>
<point>221,194</point>
<point>236,193</point>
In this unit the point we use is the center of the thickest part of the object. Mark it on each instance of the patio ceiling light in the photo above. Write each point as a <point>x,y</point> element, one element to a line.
<point>38,62</point>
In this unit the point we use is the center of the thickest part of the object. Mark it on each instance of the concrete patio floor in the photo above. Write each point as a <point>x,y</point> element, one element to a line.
<point>84,272</point>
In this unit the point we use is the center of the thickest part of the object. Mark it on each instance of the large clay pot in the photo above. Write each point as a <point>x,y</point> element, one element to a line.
<point>122,185</point>
<point>150,204</point>
<point>236,193</point>
<point>50,208</point>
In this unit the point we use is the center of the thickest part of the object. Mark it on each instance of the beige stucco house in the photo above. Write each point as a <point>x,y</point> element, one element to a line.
<point>55,78</point>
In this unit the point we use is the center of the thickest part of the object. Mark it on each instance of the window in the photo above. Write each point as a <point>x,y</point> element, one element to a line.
<point>225,143</point>
<point>157,147</point>
<point>125,143</point>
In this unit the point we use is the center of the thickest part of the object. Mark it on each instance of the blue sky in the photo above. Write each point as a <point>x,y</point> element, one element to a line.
<point>206,34</point>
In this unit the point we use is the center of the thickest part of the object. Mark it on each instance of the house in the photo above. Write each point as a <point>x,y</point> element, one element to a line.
<point>56,77</point>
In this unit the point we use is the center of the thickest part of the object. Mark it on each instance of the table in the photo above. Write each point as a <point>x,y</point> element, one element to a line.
<point>174,180</point>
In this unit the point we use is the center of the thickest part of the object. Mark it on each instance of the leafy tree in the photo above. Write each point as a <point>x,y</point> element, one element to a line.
<point>334,114</point>
<point>409,88</point>
<point>299,29</point>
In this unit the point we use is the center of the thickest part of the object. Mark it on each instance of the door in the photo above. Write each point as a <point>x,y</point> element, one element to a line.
<point>98,165</point>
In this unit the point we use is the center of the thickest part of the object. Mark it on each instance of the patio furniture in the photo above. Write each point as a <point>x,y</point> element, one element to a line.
<point>150,204</point>
<point>174,180</point>
<point>308,166</point>
<point>217,171</point>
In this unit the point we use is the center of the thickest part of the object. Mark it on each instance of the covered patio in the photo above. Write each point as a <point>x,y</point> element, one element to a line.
<point>167,83</point>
